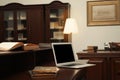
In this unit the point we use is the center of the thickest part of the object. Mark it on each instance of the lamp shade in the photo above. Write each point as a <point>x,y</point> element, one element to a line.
<point>70,26</point>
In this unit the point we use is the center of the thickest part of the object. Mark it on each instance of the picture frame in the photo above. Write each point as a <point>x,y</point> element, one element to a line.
<point>103,13</point>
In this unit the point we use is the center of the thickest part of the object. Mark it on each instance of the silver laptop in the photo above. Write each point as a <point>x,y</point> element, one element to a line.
<point>64,56</point>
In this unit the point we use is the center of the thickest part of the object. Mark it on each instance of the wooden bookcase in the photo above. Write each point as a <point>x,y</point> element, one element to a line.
<point>55,15</point>
<point>33,23</point>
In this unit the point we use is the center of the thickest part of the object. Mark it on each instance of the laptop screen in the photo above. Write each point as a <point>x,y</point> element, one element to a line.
<point>63,52</point>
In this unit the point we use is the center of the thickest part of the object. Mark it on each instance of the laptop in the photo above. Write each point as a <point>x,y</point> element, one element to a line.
<point>64,56</point>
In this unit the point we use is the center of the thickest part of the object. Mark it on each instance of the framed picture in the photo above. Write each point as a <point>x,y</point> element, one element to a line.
<point>103,13</point>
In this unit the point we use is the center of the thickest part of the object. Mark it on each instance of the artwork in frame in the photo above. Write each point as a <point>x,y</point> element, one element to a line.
<point>103,13</point>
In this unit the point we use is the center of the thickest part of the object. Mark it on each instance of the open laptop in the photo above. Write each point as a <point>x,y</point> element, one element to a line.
<point>64,56</point>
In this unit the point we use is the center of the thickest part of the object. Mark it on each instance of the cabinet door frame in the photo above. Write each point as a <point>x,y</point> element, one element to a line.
<point>13,7</point>
<point>99,71</point>
<point>55,5</point>
<point>1,26</point>
<point>35,22</point>
<point>115,68</point>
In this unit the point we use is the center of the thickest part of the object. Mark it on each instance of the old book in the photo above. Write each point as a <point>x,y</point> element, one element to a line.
<point>45,70</point>
<point>8,46</point>
<point>44,75</point>
<point>31,46</point>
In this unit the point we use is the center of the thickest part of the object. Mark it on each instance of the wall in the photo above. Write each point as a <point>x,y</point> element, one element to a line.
<point>96,35</point>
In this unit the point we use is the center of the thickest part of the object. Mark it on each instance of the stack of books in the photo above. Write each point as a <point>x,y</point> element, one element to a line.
<point>44,73</point>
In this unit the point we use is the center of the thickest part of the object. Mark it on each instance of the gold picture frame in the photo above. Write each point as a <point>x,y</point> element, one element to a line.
<point>103,13</point>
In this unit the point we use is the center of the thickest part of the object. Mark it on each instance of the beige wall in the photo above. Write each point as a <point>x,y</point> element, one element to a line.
<point>96,35</point>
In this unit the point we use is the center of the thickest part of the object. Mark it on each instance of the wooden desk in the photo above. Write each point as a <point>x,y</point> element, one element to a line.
<point>14,62</point>
<point>59,74</point>
<point>71,74</point>
<point>44,57</point>
<point>107,65</point>
<point>14,65</point>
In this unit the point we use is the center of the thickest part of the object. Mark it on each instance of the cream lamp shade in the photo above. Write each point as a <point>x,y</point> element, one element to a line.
<point>70,26</point>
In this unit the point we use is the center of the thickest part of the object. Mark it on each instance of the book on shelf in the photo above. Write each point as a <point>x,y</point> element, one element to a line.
<point>8,46</point>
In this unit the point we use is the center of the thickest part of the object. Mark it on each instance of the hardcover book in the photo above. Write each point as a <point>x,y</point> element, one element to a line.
<point>8,46</point>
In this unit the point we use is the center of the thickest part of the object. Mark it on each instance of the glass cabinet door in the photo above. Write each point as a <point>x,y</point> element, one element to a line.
<point>15,26</point>
<point>9,25</point>
<point>57,24</point>
<point>21,26</point>
<point>56,14</point>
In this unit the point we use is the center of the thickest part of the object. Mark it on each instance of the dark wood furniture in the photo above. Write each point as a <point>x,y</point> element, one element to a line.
<point>33,23</point>
<point>55,15</point>
<point>16,63</point>
<point>71,74</point>
<point>61,74</point>
<point>107,65</point>
<point>18,23</point>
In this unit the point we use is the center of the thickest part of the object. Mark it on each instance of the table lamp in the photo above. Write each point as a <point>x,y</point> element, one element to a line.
<point>70,27</point>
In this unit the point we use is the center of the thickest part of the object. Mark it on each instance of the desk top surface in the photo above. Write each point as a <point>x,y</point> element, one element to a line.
<point>17,52</point>
<point>99,54</point>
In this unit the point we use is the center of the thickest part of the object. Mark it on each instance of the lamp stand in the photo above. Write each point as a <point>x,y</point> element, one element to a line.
<point>70,37</point>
